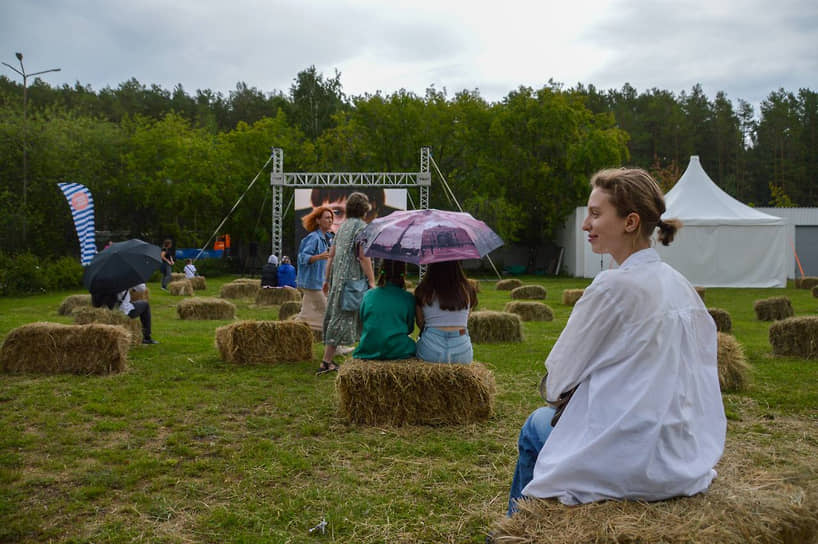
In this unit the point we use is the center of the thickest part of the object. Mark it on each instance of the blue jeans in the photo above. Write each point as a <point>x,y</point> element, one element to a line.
<point>533,435</point>
<point>438,346</point>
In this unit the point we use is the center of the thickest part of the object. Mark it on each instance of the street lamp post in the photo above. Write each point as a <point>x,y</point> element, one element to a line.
<point>25,76</point>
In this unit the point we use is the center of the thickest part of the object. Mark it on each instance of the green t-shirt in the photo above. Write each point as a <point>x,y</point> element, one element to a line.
<point>387,317</point>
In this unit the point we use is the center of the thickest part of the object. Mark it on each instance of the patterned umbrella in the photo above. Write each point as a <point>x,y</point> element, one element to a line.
<point>121,266</point>
<point>428,236</point>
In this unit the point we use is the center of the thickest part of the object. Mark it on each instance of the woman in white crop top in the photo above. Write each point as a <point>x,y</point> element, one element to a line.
<point>443,299</point>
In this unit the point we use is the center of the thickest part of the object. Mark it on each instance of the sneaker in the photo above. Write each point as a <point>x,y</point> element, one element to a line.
<point>149,341</point>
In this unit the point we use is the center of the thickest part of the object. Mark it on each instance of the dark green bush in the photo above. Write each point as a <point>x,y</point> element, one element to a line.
<point>64,273</point>
<point>213,268</point>
<point>21,275</point>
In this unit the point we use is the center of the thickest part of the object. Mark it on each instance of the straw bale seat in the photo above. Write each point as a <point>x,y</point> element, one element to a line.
<point>571,296</point>
<point>71,302</point>
<point>701,291</point>
<point>773,308</point>
<point>206,308</point>
<point>54,348</point>
<point>181,288</point>
<point>531,292</point>
<point>140,295</point>
<point>289,309</point>
<point>508,285</point>
<point>530,310</point>
<point>797,336</point>
<point>722,318</point>
<point>745,503</point>
<point>88,314</point>
<point>252,281</point>
<point>414,392</point>
<point>264,342</point>
<point>277,295</point>
<point>199,283</point>
<point>807,282</point>
<point>176,276</point>
<point>239,289</point>
<point>734,371</point>
<point>486,327</point>
<point>475,284</point>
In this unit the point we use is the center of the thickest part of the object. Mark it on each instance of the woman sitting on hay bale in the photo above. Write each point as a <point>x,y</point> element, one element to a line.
<point>137,308</point>
<point>387,317</point>
<point>269,273</point>
<point>642,341</point>
<point>443,300</point>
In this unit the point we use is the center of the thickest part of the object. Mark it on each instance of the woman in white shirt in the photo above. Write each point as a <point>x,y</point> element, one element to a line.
<point>634,371</point>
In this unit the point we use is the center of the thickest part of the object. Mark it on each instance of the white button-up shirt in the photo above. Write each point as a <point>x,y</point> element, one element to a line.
<point>647,420</point>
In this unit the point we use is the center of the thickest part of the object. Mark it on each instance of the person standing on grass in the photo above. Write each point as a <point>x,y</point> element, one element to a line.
<point>167,263</point>
<point>635,409</point>
<point>313,253</point>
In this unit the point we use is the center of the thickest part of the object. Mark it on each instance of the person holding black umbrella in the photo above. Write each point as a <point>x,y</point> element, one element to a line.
<point>133,309</point>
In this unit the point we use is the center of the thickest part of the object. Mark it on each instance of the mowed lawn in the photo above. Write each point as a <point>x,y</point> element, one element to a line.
<point>183,447</point>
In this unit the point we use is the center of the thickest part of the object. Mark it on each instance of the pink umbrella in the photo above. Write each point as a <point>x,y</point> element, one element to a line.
<point>428,236</point>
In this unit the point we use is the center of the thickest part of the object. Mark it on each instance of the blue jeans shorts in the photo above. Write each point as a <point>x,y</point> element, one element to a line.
<point>439,346</point>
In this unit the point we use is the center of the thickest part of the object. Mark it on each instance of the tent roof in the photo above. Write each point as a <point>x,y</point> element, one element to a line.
<point>697,200</point>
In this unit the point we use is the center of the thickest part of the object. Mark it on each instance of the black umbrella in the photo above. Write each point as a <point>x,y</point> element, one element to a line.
<point>121,266</point>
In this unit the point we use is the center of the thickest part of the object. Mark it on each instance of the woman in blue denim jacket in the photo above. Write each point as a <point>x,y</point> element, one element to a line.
<point>312,259</point>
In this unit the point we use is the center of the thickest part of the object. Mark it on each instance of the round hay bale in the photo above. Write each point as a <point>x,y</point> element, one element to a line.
<point>277,295</point>
<point>701,291</point>
<point>289,309</point>
<point>264,342</point>
<point>797,336</point>
<point>239,290</point>
<point>530,311</point>
<point>54,348</point>
<point>89,314</point>
<point>508,285</point>
<point>181,288</point>
<point>176,276</point>
<point>199,283</point>
<point>206,308</point>
<point>73,301</point>
<point>414,392</point>
<point>734,371</point>
<point>807,282</point>
<point>571,296</point>
<point>530,292</point>
<point>486,327</point>
<point>773,308</point>
<point>140,295</point>
<point>745,503</point>
<point>722,318</point>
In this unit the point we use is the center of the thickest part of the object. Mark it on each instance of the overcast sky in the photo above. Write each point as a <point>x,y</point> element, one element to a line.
<point>744,48</point>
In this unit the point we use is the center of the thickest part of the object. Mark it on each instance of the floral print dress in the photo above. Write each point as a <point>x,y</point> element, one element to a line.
<point>343,328</point>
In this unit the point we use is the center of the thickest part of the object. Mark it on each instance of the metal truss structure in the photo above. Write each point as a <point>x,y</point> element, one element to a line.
<point>280,179</point>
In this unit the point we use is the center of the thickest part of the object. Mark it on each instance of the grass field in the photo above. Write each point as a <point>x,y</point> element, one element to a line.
<point>186,448</point>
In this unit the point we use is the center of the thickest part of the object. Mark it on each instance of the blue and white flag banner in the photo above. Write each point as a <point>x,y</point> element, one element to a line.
<point>82,210</point>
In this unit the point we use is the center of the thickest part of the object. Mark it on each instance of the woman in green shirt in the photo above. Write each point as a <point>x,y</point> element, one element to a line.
<point>387,316</point>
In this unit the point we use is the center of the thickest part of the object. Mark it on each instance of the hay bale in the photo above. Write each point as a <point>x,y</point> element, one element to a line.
<point>530,311</point>
<point>277,295</point>
<point>815,291</point>
<point>475,284</point>
<point>176,276</point>
<point>773,308</point>
<point>487,327</point>
<point>140,295</point>
<point>528,292</point>
<point>508,285</point>
<point>571,296</point>
<point>289,309</point>
<point>206,308</point>
<point>199,283</point>
<point>264,342</point>
<point>734,371</point>
<point>701,291</point>
<point>744,503</point>
<point>414,392</point>
<point>89,314</point>
<point>54,348</point>
<point>722,319</point>
<point>807,282</point>
<point>181,288</point>
<point>236,289</point>
<point>797,336</point>
<point>73,301</point>
<point>249,281</point>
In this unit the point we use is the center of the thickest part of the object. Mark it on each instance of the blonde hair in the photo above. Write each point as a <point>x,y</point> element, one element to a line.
<point>633,190</point>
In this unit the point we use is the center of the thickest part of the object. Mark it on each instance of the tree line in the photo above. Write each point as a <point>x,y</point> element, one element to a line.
<point>166,163</point>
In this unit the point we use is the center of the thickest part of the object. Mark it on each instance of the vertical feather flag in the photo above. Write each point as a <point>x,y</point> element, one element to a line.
<point>82,210</point>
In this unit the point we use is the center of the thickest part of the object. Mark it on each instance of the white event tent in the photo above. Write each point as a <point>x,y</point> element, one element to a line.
<point>723,242</point>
